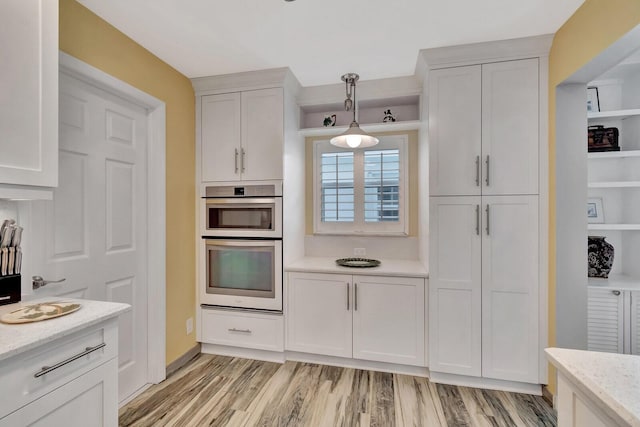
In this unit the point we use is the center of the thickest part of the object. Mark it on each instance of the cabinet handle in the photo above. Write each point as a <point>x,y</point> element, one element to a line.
<point>477,171</point>
<point>487,181</point>
<point>488,220</point>
<point>246,331</point>
<point>46,369</point>
<point>347,296</point>
<point>242,160</point>
<point>477,220</point>
<point>236,160</point>
<point>355,296</point>
<point>616,293</point>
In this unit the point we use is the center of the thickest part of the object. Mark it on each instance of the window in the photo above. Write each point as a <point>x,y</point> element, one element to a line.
<point>361,191</point>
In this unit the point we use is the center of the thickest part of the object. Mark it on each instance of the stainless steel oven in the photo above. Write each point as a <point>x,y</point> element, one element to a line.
<point>243,273</point>
<point>242,211</point>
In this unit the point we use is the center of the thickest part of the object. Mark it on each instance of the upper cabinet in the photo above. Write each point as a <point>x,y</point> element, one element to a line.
<point>485,138</point>
<point>28,96</point>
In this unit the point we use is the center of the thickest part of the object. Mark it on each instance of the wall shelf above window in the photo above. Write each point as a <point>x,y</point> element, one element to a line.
<point>369,128</point>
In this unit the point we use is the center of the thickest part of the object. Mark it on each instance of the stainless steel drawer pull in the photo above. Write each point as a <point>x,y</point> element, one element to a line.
<point>242,159</point>
<point>46,369</point>
<point>616,293</point>
<point>477,220</point>
<point>347,296</point>
<point>477,171</point>
<point>246,331</point>
<point>488,220</point>
<point>355,296</point>
<point>487,170</point>
<point>236,161</point>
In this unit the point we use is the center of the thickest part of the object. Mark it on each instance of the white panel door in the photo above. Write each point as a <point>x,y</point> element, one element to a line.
<point>94,231</point>
<point>510,127</point>
<point>605,320</point>
<point>455,131</point>
<point>220,137</point>
<point>29,92</point>
<point>455,285</point>
<point>318,318</point>
<point>510,288</point>
<point>388,319</point>
<point>635,322</point>
<point>262,134</point>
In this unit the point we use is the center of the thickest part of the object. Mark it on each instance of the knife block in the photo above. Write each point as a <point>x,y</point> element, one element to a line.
<point>10,289</point>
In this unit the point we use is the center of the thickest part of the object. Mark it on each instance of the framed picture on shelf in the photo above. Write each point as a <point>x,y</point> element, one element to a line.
<point>595,213</point>
<point>593,100</point>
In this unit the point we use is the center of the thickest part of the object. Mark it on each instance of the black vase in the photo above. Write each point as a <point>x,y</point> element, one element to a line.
<point>600,255</point>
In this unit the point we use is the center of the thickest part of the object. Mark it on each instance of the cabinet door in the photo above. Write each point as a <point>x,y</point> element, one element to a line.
<point>319,314</point>
<point>605,320</point>
<point>455,131</point>
<point>510,128</point>
<point>29,92</point>
<point>89,400</point>
<point>388,319</point>
<point>220,137</point>
<point>635,322</point>
<point>262,134</point>
<point>510,290</point>
<point>454,285</point>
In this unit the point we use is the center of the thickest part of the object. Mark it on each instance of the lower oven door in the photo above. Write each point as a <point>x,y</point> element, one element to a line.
<point>243,273</point>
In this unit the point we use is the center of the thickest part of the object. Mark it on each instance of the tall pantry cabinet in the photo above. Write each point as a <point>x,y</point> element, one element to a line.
<point>484,215</point>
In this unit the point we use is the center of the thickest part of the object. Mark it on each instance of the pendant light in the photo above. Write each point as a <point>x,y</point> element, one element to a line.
<point>354,137</point>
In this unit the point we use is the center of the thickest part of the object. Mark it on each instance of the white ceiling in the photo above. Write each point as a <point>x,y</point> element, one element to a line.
<point>320,40</point>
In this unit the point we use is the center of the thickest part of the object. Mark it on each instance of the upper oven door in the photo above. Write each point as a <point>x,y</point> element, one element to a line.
<point>242,217</point>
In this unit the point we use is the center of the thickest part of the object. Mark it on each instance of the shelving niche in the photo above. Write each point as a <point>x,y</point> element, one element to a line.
<point>615,176</point>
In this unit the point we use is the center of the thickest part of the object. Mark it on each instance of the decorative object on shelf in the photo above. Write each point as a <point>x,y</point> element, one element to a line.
<point>593,100</point>
<point>600,257</point>
<point>602,139</point>
<point>388,116</point>
<point>595,213</point>
<point>41,311</point>
<point>329,120</point>
<point>354,137</point>
<point>358,262</point>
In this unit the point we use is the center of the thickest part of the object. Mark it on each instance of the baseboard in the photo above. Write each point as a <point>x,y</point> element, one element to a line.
<point>184,359</point>
<point>548,396</point>
<point>486,383</point>
<point>244,353</point>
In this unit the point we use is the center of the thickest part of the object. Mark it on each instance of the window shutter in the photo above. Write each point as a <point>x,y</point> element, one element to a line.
<point>382,185</point>
<point>337,195</point>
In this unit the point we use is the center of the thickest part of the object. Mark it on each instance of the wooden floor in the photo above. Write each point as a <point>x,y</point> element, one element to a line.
<point>225,391</point>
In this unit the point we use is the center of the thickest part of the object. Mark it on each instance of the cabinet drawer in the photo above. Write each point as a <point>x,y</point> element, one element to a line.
<point>243,329</point>
<point>66,359</point>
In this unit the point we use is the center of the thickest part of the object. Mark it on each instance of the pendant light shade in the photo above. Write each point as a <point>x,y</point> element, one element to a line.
<point>354,137</point>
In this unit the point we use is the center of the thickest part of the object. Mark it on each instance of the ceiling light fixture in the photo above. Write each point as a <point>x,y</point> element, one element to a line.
<point>354,137</point>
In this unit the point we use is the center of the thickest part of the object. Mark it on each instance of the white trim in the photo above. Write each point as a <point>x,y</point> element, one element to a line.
<point>156,202</point>
<point>366,365</point>
<point>245,353</point>
<point>485,383</point>
<point>249,80</point>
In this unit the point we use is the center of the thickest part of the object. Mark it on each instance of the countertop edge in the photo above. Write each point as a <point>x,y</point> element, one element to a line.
<point>387,268</point>
<point>597,394</point>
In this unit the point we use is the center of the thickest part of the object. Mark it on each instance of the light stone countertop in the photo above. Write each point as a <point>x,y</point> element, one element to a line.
<point>387,267</point>
<point>610,380</point>
<point>15,339</point>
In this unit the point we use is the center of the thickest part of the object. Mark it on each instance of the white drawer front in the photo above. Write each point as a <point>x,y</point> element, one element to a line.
<point>19,385</point>
<point>243,329</point>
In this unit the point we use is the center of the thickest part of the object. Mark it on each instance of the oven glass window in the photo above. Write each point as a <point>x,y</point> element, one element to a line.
<point>251,218</point>
<point>242,271</point>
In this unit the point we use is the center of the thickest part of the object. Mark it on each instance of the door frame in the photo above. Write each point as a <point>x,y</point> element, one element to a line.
<point>155,202</point>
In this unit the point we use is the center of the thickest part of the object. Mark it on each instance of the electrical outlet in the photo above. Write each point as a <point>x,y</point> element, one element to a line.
<point>359,251</point>
<point>189,325</point>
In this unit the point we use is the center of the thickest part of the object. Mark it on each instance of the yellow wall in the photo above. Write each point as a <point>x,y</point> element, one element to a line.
<point>92,40</point>
<point>413,179</point>
<point>591,29</point>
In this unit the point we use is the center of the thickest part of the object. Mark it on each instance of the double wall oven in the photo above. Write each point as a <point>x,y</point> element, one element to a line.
<point>242,246</point>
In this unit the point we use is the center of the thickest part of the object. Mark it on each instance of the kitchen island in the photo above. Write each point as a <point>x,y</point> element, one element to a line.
<point>596,389</point>
<point>61,371</point>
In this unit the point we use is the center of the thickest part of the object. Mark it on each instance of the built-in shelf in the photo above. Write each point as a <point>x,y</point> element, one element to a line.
<point>614,154</point>
<point>615,114</point>
<point>369,128</point>
<point>614,184</point>
<point>616,281</point>
<point>613,227</point>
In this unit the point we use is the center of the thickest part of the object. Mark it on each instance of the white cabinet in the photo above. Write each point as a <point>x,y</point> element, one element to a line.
<point>29,92</point>
<point>364,317</point>
<point>242,135</point>
<point>483,293</point>
<point>613,316</point>
<point>577,410</point>
<point>484,129</point>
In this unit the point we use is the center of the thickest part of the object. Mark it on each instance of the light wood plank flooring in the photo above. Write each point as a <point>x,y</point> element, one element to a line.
<point>225,391</point>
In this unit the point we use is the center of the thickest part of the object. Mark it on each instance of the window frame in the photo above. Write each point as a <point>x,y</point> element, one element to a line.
<point>359,226</point>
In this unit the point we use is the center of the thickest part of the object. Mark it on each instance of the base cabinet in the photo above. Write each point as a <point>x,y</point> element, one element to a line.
<point>613,320</point>
<point>576,410</point>
<point>361,317</point>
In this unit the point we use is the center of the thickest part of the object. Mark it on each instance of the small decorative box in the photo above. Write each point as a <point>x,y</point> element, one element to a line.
<point>10,289</point>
